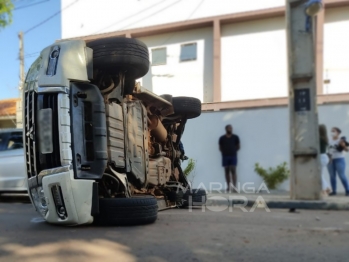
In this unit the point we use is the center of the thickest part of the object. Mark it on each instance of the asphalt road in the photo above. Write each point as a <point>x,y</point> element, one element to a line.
<point>179,235</point>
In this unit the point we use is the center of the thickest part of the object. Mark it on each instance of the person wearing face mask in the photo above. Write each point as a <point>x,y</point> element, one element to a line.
<point>324,158</point>
<point>229,145</point>
<point>337,164</point>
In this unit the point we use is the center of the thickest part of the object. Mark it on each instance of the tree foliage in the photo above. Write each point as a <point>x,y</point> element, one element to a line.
<point>190,167</point>
<point>6,8</point>
<point>273,176</point>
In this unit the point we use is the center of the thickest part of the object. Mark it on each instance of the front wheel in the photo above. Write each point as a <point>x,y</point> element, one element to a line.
<point>117,53</point>
<point>136,210</point>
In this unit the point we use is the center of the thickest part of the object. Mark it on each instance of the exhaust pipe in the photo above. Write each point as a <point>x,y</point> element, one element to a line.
<point>158,130</point>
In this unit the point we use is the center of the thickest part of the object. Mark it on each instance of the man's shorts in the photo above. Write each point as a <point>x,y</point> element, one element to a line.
<point>229,161</point>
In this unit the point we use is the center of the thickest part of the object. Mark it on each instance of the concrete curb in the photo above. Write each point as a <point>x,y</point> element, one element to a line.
<point>310,205</point>
<point>217,200</point>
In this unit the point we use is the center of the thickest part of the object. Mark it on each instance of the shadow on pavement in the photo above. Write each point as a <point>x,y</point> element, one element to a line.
<point>178,235</point>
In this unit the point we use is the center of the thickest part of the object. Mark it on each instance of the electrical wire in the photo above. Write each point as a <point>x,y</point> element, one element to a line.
<point>25,6</point>
<point>158,11</point>
<point>50,17</point>
<point>155,13</point>
<point>169,38</point>
<point>32,54</point>
<point>128,17</point>
<point>190,15</point>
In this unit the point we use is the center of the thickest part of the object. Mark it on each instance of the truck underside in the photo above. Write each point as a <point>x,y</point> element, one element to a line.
<point>99,147</point>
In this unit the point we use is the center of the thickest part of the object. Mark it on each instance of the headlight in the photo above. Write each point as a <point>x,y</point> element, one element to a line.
<point>59,202</point>
<point>39,200</point>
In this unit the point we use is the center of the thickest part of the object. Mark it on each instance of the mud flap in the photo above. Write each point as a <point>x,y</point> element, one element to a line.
<point>95,200</point>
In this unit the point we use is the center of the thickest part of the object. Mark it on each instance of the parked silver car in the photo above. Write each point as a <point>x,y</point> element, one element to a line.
<point>12,166</point>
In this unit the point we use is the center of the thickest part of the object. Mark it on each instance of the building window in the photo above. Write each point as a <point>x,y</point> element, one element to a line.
<point>159,56</point>
<point>188,52</point>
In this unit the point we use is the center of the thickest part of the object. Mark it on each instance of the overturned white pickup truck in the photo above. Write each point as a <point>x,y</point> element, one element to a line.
<point>99,147</point>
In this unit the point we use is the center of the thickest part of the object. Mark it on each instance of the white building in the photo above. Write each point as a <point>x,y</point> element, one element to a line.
<point>232,56</point>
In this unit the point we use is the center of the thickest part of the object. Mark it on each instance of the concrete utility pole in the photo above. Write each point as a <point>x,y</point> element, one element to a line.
<point>19,114</point>
<point>304,134</point>
<point>21,61</point>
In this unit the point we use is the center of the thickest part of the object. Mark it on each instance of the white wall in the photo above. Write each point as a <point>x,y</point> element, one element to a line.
<point>91,17</point>
<point>189,78</point>
<point>336,50</point>
<point>264,135</point>
<point>254,60</point>
<point>254,55</point>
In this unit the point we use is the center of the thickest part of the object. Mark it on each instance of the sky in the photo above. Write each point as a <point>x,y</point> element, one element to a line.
<point>35,40</point>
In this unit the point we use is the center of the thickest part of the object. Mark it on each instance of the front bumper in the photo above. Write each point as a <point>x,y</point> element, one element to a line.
<point>78,157</point>
<point>50,162</point>
<point>76,194</point>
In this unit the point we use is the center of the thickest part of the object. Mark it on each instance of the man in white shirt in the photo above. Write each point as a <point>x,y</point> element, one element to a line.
<point>338,146</point>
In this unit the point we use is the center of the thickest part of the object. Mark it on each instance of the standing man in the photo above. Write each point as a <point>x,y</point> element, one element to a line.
<point>229,145</point>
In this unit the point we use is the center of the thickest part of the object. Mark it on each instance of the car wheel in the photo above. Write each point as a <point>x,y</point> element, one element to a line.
<point>189,107</point>
<point>136,210</point>
<point>194,197</point>
<point>117,53</point>
<point>174,196</point>
<point>167,97</point>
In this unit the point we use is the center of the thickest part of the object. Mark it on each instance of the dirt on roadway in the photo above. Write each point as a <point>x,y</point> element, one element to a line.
<point>178,235</point>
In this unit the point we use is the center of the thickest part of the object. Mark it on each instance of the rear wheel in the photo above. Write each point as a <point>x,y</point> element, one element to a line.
<point>175,196</point>
<point>194,197</point>
<point>120,54</point>
<point>188,107</point>
<point>136,210</point>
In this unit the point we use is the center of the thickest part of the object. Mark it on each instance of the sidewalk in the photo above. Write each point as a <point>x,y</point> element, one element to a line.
<point>279,199</point>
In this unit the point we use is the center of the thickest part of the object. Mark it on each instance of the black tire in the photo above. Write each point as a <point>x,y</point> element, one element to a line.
<point>175,196</point>
<point>137,210</point>
<point>194,197</point>
<point>188,107</point>
<point>117,53</point>
<point>167,97</point>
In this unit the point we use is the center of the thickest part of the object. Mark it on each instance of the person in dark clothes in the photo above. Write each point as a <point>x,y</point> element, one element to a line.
<point>181,149</point>
<point>229,145</point>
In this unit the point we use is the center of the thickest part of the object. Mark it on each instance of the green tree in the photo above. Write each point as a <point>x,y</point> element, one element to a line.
<point>6,7</point>
<point>273,176</point>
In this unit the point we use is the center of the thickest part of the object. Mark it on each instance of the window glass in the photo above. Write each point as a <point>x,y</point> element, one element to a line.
<point>188,52</point>
<point>1,141</point>
<point>14,141</point>
<point>159,56</point>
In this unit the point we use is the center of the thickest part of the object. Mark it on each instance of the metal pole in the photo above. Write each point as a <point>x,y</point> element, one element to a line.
<point>19,113</point>
<point>21,61</point>
<point>304,135</point>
